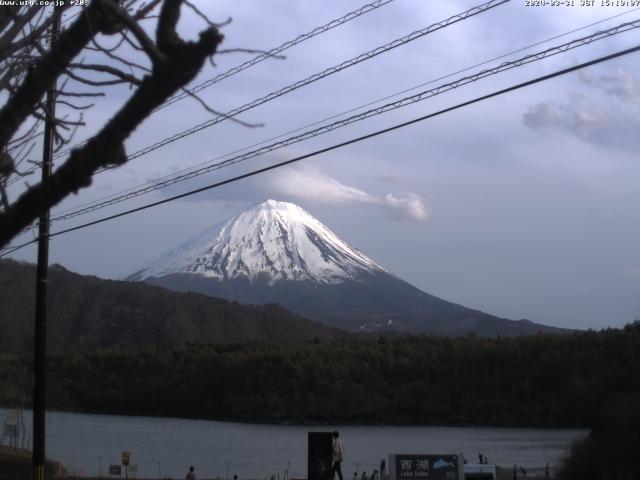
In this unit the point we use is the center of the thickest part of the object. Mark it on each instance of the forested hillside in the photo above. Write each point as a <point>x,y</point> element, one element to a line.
<point>544,380</point>
<point>86,313</point>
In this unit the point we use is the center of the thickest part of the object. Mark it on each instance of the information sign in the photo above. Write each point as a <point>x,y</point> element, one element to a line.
<point>115,470</point>
<point>425,467</point>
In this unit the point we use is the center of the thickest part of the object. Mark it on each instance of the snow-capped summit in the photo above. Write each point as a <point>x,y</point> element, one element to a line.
<point>276,252</point>
<point>276,240</point>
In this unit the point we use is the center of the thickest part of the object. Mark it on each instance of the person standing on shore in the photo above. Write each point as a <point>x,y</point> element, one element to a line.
<point>192,474</point>
<point>338,455</point>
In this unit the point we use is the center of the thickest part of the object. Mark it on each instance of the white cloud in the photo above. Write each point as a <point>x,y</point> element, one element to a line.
<point>311,184</point>
<point>407,206</point>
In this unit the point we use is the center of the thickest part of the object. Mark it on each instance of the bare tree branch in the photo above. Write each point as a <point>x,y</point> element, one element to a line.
<point>51,66</point>
<point>25,136</point>
<point>76,106</point>
<point>220,114</point>
<point>108,69</point>
<point>103,83</point>
<point>200,14</point>
<point>175,63</point>
<point>7,38</point>
<point>120,59</point>
<point>103,49</point>
<point>144,11</point>
<point>146,43</point>
<point>250,50</point>
<point>65,93</point>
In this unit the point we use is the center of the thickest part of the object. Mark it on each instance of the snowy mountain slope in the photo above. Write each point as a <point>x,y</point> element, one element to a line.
<point>276,240</point>
<point>276,252</point>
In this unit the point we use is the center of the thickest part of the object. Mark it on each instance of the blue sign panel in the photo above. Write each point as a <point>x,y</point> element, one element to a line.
<point>426,467</point>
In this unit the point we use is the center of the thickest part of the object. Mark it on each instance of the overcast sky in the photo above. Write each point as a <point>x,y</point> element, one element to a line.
<point>523,206</point>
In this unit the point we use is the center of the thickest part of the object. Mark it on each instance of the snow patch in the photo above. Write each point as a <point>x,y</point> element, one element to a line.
<point>279,239</point>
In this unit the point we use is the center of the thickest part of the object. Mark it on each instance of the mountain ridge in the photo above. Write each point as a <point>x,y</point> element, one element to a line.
<point>276,252</point>
<point>88,313</point>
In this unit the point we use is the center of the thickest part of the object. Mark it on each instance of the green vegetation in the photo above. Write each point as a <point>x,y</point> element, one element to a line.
<point>544,380</point>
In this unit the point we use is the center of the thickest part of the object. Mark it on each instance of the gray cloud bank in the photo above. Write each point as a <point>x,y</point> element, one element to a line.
<point>605,113</point>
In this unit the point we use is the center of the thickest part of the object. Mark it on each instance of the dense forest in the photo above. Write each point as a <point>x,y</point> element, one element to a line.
<point>543,380</point>
<point>610,451</point>
<point>88,313</point>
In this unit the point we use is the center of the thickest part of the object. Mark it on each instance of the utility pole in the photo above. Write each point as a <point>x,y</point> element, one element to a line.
<point>40,344</point>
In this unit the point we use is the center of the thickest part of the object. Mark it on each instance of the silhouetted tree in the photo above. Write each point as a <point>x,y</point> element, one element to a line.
<point>111,33</point>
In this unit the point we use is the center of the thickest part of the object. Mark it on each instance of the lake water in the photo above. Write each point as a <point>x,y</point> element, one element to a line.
<point>165,447</point>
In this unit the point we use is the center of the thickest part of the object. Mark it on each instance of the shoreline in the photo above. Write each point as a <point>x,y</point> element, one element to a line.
<point>302,423</point>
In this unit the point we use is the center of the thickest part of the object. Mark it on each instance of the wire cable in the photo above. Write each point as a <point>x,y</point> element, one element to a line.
<point>356,118</point>
<point>338,115</point>
<point>369,7</point>
<point>10,250</point>
<point>355,140</point>
<point>277,50</point>
<point>319,76</point>
<point>352,141</point>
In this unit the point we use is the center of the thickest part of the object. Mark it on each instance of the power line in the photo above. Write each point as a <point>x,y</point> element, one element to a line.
<point>358,117</point>
<point>277,50</point>
<point>369,7</point>
<point>172,179</point>
<point>357,139</point>
<point>351,110</point>
<point>10,250</point>
<point>398,42</point>
<point>354,140</point>
<point>319,76</point>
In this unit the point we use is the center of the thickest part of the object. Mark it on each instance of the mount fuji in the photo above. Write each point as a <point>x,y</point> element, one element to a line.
<point>276,252</point>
